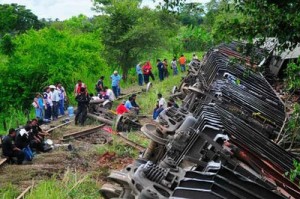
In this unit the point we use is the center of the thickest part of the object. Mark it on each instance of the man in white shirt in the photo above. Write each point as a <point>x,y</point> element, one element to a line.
<point>55,100</point>
<point>110,94</point>
<point>160,106</point>
<point>63,96</point>
<point>48,103</point>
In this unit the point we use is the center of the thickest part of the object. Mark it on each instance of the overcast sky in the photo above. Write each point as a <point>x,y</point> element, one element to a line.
<point>64,9</point>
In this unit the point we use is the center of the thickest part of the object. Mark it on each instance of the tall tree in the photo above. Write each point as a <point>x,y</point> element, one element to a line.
<point>16,18</point>
<point>129,30</point>
<point>257,19</point>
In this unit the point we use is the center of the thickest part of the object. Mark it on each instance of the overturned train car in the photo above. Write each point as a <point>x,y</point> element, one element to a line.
<point>218,144</point>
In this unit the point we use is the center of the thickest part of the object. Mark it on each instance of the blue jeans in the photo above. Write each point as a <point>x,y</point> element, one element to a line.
<point>39,113</point>
<point>175,71</point>
<point>182,67</point>
<point>61,107</point>
<point>156,112</point>
<point>161,75</point>
<point>116,91</point>
<point>140,79</point>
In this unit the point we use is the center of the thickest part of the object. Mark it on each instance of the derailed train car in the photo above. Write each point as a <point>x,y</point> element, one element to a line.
<point>218,144</point>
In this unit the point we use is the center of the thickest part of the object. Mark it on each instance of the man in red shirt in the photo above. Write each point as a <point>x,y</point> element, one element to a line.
<point>182,62</point>
<point>121,109</point>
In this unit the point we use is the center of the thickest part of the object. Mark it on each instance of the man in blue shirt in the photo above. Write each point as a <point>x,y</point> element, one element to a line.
<point>139,73</point>
<point>115,83</point>
<point>160,67</point>
<point>130,107</point>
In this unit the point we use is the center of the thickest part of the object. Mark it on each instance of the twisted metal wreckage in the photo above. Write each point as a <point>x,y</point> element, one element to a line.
<point>218,144</point>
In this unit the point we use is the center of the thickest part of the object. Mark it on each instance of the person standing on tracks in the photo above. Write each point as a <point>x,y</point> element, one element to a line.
<point>115,83</point>
<point>9,148</point>
<point>160,67</point>
<point>182,62</point>
<point>83,100</point>
<point>147,71</point>
<point>48,104</point>
<point>139,72</point>
<point>55,100</point>
<point>62,98</point>
<point>38,104</point>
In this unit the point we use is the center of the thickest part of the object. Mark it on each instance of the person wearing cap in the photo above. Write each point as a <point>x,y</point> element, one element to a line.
<point>139,73</point>
<point>55,100</point>
<point>83,100</point>
<point>121,109</point>
<point>115,83</point>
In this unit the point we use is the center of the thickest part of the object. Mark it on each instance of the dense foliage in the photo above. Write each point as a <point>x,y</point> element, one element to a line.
<point>17,19</point>
<point>128,31</point>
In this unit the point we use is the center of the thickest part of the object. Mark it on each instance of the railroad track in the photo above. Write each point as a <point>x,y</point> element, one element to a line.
<point>89,131</point>
<point>130,142</point>
<point>83,133</point>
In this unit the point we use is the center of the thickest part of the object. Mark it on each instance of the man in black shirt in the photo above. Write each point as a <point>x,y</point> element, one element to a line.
<point>134,104</point>
<point>37,135</point>
<point>100,85</point>
<point>83,100</point>
<point>9,149</point>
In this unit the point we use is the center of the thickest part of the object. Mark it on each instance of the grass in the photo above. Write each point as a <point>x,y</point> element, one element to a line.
<point>138,138</point>
<point>72,185</point>
<point>118,147</point>
<point>8,191</point>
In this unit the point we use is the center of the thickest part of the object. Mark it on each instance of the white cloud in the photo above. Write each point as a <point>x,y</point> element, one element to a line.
<point>64,9</point>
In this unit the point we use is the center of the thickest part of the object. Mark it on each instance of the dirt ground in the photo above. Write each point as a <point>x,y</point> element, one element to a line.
<point>84,158</point>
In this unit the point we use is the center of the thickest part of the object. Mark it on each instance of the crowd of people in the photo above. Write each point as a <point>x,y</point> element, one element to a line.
<point>144,71</point>
<point>23,143</point>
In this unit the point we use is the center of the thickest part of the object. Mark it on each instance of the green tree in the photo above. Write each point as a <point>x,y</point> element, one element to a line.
<point>191,14</point>
<point>129,30</point>
<point>256,19</point>
<point>6,45</point>
<point>46,57</point>
<point>16,18</point>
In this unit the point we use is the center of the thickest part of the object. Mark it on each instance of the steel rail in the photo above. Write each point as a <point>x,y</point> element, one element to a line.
<point>83,132</point>
<point>130,142</point>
